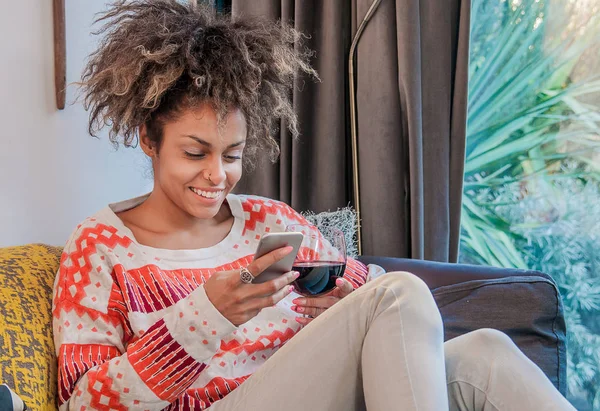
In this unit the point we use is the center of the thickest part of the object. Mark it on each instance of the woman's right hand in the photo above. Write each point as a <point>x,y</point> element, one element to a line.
<point>238,301</point>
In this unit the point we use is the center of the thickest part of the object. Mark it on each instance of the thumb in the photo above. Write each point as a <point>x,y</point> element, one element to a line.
<point>344,286</point>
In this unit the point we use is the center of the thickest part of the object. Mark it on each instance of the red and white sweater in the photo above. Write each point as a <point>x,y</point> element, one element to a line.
<point>134,329</point>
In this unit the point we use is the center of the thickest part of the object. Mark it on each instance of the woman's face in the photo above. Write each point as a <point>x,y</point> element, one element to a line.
<point>197,164</point>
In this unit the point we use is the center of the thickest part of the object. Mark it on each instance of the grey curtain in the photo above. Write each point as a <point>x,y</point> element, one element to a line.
<point>412,70</point>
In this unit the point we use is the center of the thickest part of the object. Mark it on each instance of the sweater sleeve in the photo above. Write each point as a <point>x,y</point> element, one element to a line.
<point>101,364</point>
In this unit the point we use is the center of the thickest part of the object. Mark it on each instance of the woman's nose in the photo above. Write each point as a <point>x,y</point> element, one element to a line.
<point>215,172</point>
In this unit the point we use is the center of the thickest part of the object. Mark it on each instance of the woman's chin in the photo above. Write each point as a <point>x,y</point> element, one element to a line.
<point>205,211</point>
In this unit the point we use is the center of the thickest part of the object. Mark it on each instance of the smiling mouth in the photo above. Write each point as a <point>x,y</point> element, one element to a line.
<point>207,194</point>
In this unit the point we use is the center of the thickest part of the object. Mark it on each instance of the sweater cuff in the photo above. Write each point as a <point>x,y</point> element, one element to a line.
<point>375,272</point>
<point>198,326</point>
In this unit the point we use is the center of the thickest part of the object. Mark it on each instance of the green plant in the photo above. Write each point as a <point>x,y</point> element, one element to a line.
<point>566,246</point>
<point>531,127</point>
<point>520,100</point>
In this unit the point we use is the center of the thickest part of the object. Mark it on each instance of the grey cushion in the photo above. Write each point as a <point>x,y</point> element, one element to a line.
<point>526,308</point>
<point>524,304</point>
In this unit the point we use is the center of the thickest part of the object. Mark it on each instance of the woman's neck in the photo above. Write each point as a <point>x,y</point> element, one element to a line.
<point>160,223</point>
<point>168,216</point>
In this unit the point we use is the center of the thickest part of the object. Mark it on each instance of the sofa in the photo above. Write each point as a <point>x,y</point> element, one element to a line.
<point>526,305</point>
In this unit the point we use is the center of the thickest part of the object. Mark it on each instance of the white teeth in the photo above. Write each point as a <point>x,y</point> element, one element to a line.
<point>207,194</point>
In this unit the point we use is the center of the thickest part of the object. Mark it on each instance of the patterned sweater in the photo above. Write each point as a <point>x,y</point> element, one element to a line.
<point>134,329</point>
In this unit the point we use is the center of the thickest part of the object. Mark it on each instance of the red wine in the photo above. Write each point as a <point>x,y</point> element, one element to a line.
<point>317,277</point>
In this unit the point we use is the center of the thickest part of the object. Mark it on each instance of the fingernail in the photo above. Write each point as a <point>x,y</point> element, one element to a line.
<point>300,309</point>
<point>291,288</point>
<point>296,274</point>
<point>339,281</point>
<point>287,250</point>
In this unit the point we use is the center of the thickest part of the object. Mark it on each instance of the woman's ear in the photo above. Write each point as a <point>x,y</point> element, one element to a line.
<point>148,146</point>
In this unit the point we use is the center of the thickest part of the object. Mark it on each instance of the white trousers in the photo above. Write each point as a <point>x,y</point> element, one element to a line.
<point>382,349</point>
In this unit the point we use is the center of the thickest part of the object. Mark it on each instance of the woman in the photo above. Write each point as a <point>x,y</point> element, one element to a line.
<point>154,305</point>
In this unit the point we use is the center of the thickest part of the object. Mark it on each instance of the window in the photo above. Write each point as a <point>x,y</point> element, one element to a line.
<point>532,173</point>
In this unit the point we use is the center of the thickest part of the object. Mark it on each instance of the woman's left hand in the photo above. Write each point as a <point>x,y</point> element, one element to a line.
<point>315,306</point>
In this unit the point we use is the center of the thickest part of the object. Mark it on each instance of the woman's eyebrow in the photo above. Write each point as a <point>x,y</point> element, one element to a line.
<point>209,145</point>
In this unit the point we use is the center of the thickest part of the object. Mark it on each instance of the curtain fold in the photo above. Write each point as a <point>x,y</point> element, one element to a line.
<point>312,173</point>
<point>411,87</point>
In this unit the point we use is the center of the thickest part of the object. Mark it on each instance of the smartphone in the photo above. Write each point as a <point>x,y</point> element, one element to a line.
<point>273,241</point>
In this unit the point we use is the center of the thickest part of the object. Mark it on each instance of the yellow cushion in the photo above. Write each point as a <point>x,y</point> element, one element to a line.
<point>27,360</point>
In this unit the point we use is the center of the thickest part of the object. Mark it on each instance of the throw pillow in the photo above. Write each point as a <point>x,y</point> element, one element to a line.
<point>27,359</point>
<point>343,219</point>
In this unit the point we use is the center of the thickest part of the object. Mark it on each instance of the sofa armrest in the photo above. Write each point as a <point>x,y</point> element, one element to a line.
<point>524,304</point>
<point>436,274</point>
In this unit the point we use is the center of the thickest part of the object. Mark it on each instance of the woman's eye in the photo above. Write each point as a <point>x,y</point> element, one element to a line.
<point>194,155</point>
<point>229,158</point>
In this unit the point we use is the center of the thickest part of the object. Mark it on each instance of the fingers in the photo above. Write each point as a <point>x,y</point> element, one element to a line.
<point>344,287</point>
<point>272,286</point>
<point>317,302</point>
<point>314,306</point>
<point>261,264</point>
<point>304,320</point>
<point>272,299</point>
<point>310,311</point>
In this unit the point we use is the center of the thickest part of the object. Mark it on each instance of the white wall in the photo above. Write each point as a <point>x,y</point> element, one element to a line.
<point>52,173</point>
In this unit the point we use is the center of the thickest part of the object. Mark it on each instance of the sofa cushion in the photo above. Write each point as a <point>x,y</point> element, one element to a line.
<point>526,308</point>
<point>27,359</point>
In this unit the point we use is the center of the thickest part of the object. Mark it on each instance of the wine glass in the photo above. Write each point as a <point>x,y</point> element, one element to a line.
<point>321,259</point>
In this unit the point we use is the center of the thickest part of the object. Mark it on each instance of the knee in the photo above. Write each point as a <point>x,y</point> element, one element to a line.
<point>415,294</point>
<point>493,340</point>
<point>478,353</point>
<point>403,282</point>
<point>483,345</point>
